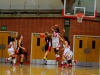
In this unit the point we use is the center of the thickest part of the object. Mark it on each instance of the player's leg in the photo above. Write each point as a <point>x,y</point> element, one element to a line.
<point>45,57</point>
<point>21,53</point>
<point>63,61</point>
<point>21,59</point>
<point>57,51</point>
<point>47,50</point>
<point>69,63</point>
<point>14,59</point>
<point>44,60</point>
<point>57,54</point>
<point>64,58</point>
<point>10,53</point>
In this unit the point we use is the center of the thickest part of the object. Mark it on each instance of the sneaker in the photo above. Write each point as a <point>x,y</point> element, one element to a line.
<point>14,64</point>
<point>75,61</point>
<point>22,65</point>
<point>57,58</point>
<point>44,61</point>
<point>66,65</point>
<point>61,66</point>
<point>6,60</point>
<point>11,62</point>
<point>70,66</point>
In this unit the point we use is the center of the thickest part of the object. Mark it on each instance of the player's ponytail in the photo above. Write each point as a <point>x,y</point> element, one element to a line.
<point>18,37</point>
<point>66,38</point>
<point>57,30</point>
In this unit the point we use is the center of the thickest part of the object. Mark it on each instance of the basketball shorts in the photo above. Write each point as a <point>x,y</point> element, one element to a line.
<point>66,51</point>
<point>11,52</point>
<point>55,45</point>
<point>69,61</point>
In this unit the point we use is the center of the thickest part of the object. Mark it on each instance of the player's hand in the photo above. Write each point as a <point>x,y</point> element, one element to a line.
<point>16,51</point>
<point>56,25</point>
<point>23,48</point>
<point>63,30</point>
<point>62,49</point>
<point>43,41</point>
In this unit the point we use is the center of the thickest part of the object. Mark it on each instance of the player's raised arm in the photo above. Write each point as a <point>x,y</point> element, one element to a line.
<point>52,28</point>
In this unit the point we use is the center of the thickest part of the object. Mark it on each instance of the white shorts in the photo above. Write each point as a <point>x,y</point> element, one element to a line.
<point>11,52</point>
<point>66,51</point>
<point>55,45</point>
<point>70,55</point>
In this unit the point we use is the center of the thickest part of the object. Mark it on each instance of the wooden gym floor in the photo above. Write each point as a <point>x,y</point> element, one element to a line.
<point>36,69</point>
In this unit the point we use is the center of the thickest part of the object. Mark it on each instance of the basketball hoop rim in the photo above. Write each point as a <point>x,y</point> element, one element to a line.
<point>80,15</point>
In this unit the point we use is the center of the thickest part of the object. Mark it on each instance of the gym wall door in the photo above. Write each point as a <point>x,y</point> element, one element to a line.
<point>37,50</point>
<point>86,50</point>
<point>5,37</point>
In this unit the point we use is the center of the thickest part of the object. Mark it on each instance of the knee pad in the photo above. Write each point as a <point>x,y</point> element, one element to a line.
<point>57,48</point>
<point>13,57</point>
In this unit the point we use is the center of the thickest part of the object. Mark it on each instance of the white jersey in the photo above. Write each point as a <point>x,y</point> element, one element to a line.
<point>70,55</point>
<point>11,49</point>
<point>11,46</point>
<point>55,40</point>
<point>66,50</point>
<point>55,37</point>
<point>64,46</point>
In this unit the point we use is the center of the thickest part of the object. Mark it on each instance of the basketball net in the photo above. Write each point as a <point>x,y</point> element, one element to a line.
<point>79,17</point>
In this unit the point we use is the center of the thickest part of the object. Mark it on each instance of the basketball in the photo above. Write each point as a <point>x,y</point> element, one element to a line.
<point>42,35</point>
<point>16,52</point>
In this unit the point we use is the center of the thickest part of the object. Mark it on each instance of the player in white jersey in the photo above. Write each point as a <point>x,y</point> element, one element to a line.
<point>69,58</point>
<point>55,41</point>
<point>11,52</point>
<point>66,49</point>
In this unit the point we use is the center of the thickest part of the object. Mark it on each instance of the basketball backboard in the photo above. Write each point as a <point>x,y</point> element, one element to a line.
<point>72,7</point>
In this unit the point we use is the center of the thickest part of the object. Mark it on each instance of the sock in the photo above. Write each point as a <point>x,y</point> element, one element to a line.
<point>13,57</point>
<point>21,63</point>
<point>44,57</point>
<point>9,58</point>
<point>21,60</point>
<point>11,62</point>
<point>64,62</point>
<point>14,60</point>
<point>57,55</point>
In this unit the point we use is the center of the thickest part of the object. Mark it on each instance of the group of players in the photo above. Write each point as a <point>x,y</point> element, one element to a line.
<point>13,51</point>
<point>58,42</point>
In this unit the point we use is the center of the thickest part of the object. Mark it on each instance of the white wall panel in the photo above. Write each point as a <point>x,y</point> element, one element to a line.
<point>4,4</point>
<point>17,4</point>
<point>31,4</point>
<point>57,4</point>
<point>98,6</point>
<point>45,4</point>
<point>35,4</point>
